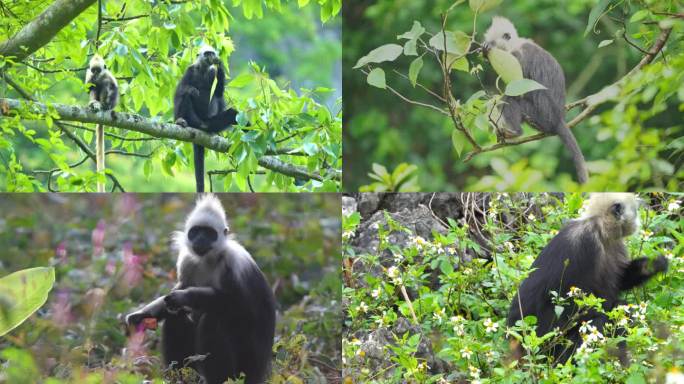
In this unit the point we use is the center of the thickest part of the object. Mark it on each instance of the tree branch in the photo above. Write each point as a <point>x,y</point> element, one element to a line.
<point>141,124</point>
<point>43,28</point>
<point>590,103</point>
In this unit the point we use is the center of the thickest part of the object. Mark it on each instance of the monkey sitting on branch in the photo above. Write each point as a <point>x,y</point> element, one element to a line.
<point>544,109</point>
<point>104,95</point>
<point>590,254</point>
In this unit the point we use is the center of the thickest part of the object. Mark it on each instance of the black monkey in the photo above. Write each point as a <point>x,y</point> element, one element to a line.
<point>192,106</point>
<point>597,263</point>
<point>222,306</point>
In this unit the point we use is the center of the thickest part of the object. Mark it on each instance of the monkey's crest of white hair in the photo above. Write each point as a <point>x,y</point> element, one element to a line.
<point>599,203</point>
<point>494,36</point>
<point>97,61</point>
<point>205,48</point>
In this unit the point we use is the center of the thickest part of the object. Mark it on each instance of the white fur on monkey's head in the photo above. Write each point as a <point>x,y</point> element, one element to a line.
<point>97,62</point>
<point>204,49</point>
<point>502,34</point>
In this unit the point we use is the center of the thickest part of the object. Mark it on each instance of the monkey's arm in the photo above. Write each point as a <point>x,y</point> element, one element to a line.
<point>156,309</point>
<point>198,298</point>
<point>638,272</point>
<point>222,121</point>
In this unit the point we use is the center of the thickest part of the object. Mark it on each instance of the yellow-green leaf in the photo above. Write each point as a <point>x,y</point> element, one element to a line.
<point>376,78</point>
<point>505,64</point>
<point>22,293</point>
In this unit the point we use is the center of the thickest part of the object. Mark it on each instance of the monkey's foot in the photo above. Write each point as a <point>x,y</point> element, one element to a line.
<point>181,121</point>
<point>94,105</point>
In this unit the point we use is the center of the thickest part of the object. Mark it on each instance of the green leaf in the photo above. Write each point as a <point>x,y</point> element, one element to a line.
<point>242,80</point>
<point>639,15</point>
<point>414,70</point>
<point>376,78</point>
<point>22,293</point>
<point>521,87</point>
<point>478,6</point>
<point>214,83</point>
<point>505,64</point>
<point>387,52</point>
<point>595,15</point>
<point>457,42</point>
<point>605,43</point>
<point>416,31</point>
<point>459,141</point>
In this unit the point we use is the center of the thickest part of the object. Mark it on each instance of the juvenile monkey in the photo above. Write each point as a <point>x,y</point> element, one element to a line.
<point>104,95</point>
<point>590,254</point>
<point>221,307</point>
<point>543,109</point>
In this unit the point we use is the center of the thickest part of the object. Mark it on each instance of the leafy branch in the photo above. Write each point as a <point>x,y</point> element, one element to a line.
<point>157,129</point>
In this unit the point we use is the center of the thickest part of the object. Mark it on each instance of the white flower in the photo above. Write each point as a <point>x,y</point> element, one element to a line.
<point>531,217</point>
<point>422,366</point>
<point>466,353</point>
<point>459,325</point>
<point>491,326</point>
<point>674,377</point>
<point>575,292</point>
<point>646,234</point>
<point>509,245</point>
<point>673,206</point>
<point>393,273</point>
<point>474,372</point>
<point>375,293</point>
<point>439,315</point>
<point>363,307</point>
<point>346,235</point>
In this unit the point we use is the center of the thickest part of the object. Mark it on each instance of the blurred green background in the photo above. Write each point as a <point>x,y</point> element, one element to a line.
<point>112,253</point>
<point>635,144</point>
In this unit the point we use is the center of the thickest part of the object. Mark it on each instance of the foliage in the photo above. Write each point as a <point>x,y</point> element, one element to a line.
<point>21,294</point>
<point>418,78</point>
<point>147,45</point>
<point>460,305</point>
<point>112,254</point>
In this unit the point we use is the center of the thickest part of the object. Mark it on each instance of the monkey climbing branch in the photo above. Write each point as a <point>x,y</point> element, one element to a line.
<point>141,124</point>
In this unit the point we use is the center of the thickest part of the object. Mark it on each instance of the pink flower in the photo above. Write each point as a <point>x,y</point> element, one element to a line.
<point>61,310</point>
<point>61,252</point>
<point>98,238</point>
<point>132,266</point>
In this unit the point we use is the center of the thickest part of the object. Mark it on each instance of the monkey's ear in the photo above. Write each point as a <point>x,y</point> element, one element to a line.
<point>225,231</point>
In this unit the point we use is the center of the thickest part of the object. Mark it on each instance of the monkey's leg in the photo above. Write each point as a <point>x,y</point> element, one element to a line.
<point>203,299</point>
<point>178,339</point>
<point>512,118</point>
<point>198,154</point>
<point>100,155</point>
<point>214,338</point>
<point>222,121</point>
<point>638,272</point>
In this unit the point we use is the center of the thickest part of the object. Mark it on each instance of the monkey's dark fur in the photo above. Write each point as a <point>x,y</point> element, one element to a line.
<point>597,262</point>
<point>222,306</point>
<point>103,89</point>
<point>192,107</point>
<point>543,109</point>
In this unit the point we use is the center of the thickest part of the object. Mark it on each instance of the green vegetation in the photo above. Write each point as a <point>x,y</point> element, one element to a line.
<point>284,75</point>
<point>408,104</point>
<point>112,254</point>
<point>432,309</point>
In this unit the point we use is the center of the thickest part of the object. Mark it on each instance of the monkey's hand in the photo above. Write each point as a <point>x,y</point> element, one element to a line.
<point>660,264</point>
<point>181,121</point>
<point>176,300</point>
<point>135,318</point>
<point>192,91</point>
<point>94,105</point>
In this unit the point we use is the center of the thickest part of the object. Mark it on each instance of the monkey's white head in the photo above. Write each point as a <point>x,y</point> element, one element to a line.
<point>206,228</point>
<point>207,54</point>
<point>97,64</point>
<point>618,213</point>
<point>502,34</point>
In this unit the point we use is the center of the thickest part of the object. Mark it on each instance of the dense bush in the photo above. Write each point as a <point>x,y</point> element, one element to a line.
<point>429,280</point>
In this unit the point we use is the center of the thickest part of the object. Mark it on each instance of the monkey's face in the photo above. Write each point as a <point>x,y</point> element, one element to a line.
<point>207,57</point>
<point>203,239</point>
<point>501,34</point>
<point>625,216</point>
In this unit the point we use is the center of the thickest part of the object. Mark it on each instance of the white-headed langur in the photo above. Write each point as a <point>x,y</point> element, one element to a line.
<point>194,104</point>
<point>543,109</point>
<point>104,95</point>
<point>221,307</point>
<point>589,253</point>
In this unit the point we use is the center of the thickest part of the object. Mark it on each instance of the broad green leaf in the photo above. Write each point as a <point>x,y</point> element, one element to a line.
<point>376,78</point>
<point>639,15</point>
<point>214,83</point>
<point>416,31</point>
<point>459,63</point>
<point>457,42</point>
<point>521,87</point>
<point>22,293</point>
<point>505,64</point>
<point>459,141</point>
<point>595,15</point>
<point>483,5</point>
<point>414,70</point>
<point>387,52</point>
<point>242,80</point>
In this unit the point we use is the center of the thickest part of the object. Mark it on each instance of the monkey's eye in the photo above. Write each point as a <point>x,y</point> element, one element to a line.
<point>507,36</point>
<point>617,209</point>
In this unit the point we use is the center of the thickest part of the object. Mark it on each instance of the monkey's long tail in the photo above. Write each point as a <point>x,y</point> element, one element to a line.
<point>198,153</point>
<point>100,155</point>
<point>569,140</point>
